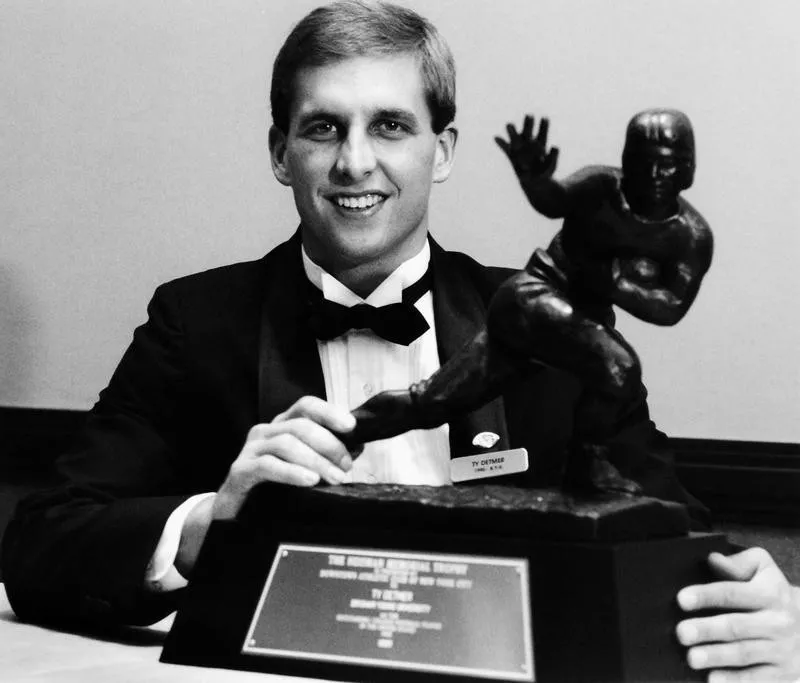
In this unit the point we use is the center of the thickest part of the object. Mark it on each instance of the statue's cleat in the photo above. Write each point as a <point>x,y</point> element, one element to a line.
<point>589,471</point>
<point>608,479</point>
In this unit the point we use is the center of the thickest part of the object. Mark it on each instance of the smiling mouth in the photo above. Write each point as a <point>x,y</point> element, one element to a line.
<point>357,203</point>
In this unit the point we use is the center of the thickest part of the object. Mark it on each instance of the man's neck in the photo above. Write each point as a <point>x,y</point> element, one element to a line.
<point>364,278</point>
<point>369,283</point>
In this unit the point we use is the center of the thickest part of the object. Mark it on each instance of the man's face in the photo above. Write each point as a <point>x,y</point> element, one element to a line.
<point>653,174</point>
<point>360,157</point>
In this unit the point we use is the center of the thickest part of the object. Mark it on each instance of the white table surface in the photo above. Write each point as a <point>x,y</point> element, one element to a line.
<point>37,654</point>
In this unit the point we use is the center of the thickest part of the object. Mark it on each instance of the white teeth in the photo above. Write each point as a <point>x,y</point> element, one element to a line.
<point>362,202</point>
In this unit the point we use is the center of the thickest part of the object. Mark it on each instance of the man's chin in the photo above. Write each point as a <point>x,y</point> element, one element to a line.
<point>362,244</point>
<point>350,251</point>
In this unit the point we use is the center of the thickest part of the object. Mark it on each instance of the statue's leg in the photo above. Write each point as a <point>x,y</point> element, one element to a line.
<point>476,374</point>
<point>473,376</point>
<point>550,330</point>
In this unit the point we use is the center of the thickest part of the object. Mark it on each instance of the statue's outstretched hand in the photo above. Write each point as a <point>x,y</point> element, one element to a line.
<point>388,414</point>
<point>529,156</point>
<point>383,416</point>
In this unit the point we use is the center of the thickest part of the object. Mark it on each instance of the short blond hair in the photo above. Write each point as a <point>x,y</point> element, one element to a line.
<point>358,28</point>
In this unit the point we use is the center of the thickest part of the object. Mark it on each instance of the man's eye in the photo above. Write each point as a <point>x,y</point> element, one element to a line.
<point>321,131</point>
<point>391,128</point>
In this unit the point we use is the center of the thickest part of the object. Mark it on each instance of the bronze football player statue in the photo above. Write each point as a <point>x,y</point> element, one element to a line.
<point>628,239</point>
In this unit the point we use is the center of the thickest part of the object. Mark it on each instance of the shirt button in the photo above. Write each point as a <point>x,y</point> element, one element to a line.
<point>368,389</point>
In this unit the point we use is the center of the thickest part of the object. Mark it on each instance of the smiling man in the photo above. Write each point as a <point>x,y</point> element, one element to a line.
<point>360,153</point>
<point>247,373</point>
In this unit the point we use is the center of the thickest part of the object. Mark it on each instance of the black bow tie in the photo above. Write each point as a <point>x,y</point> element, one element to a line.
<point>399,323</point>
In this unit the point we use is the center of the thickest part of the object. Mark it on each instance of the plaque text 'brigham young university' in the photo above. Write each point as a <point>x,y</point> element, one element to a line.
<point>443,613</point>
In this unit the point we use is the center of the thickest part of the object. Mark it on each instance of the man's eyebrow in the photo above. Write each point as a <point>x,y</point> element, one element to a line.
<point>317,114</point>
<point>403,115</point>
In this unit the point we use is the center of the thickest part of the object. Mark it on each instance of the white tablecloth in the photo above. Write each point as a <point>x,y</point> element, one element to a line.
<point>36,654</point>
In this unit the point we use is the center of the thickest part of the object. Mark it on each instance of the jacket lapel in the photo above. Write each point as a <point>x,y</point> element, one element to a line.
<point>289,365</point>
<point>460,313</point>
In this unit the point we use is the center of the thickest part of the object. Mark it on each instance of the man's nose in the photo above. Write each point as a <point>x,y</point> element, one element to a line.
<point>356,155</point>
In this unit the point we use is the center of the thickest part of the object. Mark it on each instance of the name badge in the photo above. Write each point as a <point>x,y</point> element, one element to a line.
<point>485,465</point>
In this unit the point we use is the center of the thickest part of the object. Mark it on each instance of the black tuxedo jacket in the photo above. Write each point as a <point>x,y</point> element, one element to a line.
<point>220,352</point>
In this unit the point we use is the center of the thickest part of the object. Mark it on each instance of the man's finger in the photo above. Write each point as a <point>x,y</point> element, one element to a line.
<point>742,566</point>
<point>280,471</point>
<point>289,448</point>
<point>320,411</point>
<point>314,437</point>
<point>723,655</point>
<point>732,595</point>
<point>512,132</point>
<point>726,628</point>
<point>752,674</point>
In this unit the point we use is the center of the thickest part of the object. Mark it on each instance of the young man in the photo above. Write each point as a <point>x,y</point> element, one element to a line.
<point>256,353</point>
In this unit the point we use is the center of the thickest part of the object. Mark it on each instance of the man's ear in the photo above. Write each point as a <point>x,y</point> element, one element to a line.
<point>445,153</point>
<point>277,152</point>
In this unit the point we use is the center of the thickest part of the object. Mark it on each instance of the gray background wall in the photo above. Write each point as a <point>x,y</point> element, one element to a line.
<point>133,150</point>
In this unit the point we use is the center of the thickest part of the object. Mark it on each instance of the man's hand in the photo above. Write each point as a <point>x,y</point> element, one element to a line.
<point>758,636</point>
<point>528,155</point>
<point>298,448</point>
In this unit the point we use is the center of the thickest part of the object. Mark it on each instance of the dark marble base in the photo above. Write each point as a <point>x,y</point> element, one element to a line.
<point>547,514</point>
<point>603,573</point>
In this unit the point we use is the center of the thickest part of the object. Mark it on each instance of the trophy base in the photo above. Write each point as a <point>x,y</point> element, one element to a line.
<point>597,607</point>
<point>607,611</point>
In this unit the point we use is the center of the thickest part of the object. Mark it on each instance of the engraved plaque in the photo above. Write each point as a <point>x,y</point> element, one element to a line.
<point>452,614</point>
